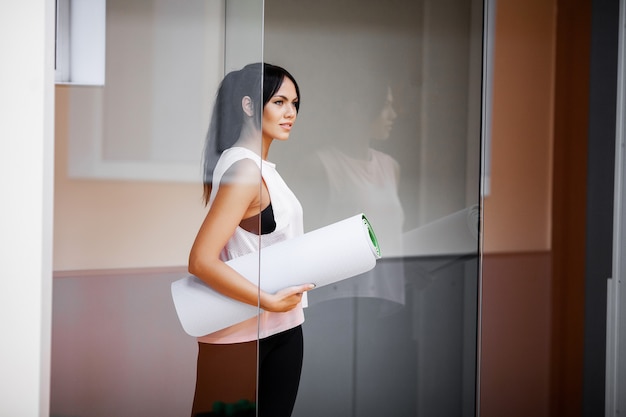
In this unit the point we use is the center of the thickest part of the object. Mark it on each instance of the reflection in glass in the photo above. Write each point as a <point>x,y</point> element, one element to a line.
<point>354,177</point>
<point>148,121</point>
<point>390,94</point>
<point>387,130</point>
<point>227,365</point>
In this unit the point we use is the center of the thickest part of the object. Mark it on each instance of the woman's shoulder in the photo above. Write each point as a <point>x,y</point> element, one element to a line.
<point>381,156</point>
<point>236,153</point>
<point>236,167</point>
<point>241,171</point>
<point>237,156</point>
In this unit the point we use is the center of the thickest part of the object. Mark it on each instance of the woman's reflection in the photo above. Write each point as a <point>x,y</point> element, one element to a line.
<point>354,177</point>
<point>364,333</point>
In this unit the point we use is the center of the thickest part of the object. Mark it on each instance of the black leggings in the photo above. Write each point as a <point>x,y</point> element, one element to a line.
<point>280,364</point>
<point>228,373</point>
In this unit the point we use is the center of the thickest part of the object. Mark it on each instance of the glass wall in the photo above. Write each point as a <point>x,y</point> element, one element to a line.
<point>388,126</point>
<point>227,371</point>
<point>128,206</point>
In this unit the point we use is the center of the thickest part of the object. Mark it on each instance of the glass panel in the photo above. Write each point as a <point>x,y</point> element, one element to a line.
<point>616,291</point>
<point>137,126</point>
<point>533,261</point>
<point>227,370</point>
<point>389,126</point>
<point>118,347</point>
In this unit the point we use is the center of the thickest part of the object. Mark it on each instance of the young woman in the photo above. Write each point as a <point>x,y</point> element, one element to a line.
<point>250,207</point>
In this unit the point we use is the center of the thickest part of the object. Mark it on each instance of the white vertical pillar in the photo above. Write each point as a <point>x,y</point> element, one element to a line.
<point>26,170</point>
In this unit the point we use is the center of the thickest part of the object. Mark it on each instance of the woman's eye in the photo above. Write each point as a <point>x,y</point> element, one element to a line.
<point>279,102</point>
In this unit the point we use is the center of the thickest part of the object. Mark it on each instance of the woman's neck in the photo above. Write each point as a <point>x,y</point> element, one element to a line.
<point>251,138</point>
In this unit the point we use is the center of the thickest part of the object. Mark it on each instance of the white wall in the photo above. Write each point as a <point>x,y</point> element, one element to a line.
<point>26,159</point>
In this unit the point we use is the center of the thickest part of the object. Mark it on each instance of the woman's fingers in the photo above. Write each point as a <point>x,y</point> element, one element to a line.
<point>302,288</point>
<point>288,298</point>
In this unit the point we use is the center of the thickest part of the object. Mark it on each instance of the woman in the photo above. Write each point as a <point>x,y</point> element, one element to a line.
<point>246,213</point>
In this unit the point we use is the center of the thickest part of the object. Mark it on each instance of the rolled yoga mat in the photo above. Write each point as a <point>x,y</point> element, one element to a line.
<point>323,256</point>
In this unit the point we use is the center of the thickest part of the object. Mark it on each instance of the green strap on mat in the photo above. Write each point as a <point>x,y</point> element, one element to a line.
<point>372,235</point>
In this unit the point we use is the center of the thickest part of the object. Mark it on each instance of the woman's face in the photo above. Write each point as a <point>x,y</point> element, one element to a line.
<point>279,113</point>
<point>381,126</point>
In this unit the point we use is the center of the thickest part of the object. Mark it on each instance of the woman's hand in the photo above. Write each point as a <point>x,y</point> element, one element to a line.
<point>285,299</point>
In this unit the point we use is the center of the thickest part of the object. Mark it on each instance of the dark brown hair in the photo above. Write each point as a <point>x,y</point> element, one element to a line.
<point>228,116</point>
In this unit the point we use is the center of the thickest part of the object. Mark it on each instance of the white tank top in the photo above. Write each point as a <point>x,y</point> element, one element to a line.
<point>369,186</point>
<point>289,224</point>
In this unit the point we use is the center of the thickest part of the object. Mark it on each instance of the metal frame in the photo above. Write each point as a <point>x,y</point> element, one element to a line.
<point>615,400</point>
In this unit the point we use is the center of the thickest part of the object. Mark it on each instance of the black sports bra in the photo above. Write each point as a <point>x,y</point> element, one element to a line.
<point>268,223</point>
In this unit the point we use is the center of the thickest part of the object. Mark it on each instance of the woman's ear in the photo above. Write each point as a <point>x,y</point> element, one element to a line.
<point>247,106</point>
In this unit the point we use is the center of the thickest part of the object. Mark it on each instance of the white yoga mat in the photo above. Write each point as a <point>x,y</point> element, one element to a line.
<point>323,256</point>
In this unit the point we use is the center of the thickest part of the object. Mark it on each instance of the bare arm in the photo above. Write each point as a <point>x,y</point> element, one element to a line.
<point>237,198</point>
